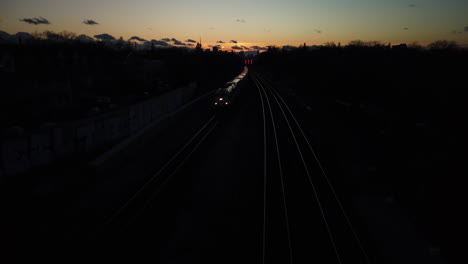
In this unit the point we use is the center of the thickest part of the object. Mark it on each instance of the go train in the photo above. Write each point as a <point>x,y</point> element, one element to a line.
<point>224,97</point>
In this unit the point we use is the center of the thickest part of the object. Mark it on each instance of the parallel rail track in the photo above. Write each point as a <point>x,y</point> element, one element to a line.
<point>303,217</point>
<point>315,221</point>
<point>138,203</point>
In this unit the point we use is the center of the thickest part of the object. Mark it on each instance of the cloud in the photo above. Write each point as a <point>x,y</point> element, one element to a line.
<point>180,43</point>
<point>220,41</point>
<point>318,31</point>
<point>104,36</point>
<point>233,41</point>
<point>244,47</point>
<point>259,48</point>
<point>177,42</point>
<point>236,48</point>
<point>466,29</point>
<point>137,38</point>
<point>241,20</point>
<point>190,41</point>
<point>190,45</point>
<point>267,30</point>
<point>405,28</point>
<point>412,5</point>
<point>159,43</point>
<point>90,22</point>
<point>211,28</point>
<point>36,21</point>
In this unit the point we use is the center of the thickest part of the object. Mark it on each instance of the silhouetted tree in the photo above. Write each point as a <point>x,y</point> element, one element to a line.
<point>356,43</point>
<point>415,46</point>
<point>443,45</point>
<point>68,35</point>
<point>364,44</point>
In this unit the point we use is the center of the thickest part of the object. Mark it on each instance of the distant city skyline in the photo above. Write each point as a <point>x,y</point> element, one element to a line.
<point>258,23</point>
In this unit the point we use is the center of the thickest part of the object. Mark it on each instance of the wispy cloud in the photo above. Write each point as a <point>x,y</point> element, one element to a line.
<point>241,20</point>
<point>159,43</point>
<point>211,28</point>
<point>233,41</point>
<point>258,48</point>
<point>190,41</point>
<point>412,5</point>
<point>466,29</point>
<point>236,48</point>
<point>104,36</point>
<point>177,42</point>
<point>318,31</point>
<point>215,46</point>
<point>137,38</point>
<point>220,41</point>
<point>36,21</point>
<point>90,22</point>
<point>405,28</point>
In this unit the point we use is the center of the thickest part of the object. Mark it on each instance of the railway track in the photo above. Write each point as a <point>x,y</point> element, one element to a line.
<point>303,217</point>
<point>134,208</point>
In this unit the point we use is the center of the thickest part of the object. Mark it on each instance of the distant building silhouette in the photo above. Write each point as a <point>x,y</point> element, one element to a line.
<point>199,47</point>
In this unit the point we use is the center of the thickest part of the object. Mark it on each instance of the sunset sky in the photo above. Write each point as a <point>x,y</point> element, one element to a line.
<point>258,22</point>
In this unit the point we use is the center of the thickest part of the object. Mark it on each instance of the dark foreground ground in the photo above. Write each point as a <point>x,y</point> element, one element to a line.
<point>212,209</point>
